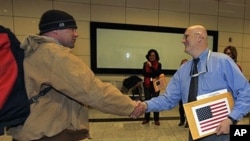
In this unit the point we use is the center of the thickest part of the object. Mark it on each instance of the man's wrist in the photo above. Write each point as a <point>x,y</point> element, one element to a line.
<point>145,105</point>
<point>233,120</point>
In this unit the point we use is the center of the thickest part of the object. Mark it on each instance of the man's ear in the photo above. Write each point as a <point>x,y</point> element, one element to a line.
<point>200,37</point>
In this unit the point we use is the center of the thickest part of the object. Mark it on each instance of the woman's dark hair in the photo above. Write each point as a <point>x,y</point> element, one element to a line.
<point>156,54</point>
<point>183,61</point>
<point>233,51</point>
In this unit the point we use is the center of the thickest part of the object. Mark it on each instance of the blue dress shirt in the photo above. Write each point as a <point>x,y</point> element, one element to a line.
<point>217,71</point>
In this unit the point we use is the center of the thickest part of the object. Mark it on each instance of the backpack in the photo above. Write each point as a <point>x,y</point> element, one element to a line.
<point>133,83</point>
<point>14,103</point>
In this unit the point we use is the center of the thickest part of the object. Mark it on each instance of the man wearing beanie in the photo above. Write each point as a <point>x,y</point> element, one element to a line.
<point>62,114</point>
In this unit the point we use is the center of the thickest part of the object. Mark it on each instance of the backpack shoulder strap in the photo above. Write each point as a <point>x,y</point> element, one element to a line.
<point>43,92</point>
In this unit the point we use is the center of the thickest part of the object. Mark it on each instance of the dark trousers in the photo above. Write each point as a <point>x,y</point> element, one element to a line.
<point>181,112</point>
<point>213,137</point>
<point>150,93</point>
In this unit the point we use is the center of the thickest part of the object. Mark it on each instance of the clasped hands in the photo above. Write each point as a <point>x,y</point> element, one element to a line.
<point>139,110</point>
<point>149,63</point>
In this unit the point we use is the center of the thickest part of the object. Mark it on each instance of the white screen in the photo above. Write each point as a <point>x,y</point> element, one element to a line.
<point>127,48</point>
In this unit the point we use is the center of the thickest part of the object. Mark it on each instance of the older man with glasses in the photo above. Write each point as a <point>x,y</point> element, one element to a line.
<point>215,71</point>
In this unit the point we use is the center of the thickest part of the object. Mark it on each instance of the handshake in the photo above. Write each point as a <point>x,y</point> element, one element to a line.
<point>139,110</point>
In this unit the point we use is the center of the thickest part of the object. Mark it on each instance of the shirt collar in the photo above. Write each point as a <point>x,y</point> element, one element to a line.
<point>203,56</point>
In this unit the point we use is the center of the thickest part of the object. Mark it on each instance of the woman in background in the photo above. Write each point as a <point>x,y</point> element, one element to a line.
<point>152,68</point>
<point>232,52</point>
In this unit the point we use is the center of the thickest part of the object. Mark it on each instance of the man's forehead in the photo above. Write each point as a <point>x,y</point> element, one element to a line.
<point>188,31</point>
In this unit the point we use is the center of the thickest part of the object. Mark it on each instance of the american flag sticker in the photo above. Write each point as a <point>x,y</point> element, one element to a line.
<point>208,116</point>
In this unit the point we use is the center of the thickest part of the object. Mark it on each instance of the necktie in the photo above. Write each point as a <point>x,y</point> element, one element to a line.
<point>193,89</point>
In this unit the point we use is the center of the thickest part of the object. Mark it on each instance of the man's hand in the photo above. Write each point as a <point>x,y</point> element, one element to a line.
<point>224,127</point>
<point>139,110</point>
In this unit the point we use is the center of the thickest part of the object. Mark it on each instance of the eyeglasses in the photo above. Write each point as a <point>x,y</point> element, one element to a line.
<point>199,73</point>
<point>185,36</point>
<point>228,53</point>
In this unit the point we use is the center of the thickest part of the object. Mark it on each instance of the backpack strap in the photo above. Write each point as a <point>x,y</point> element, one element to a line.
<point>35,98</point>
<point>14,120</point>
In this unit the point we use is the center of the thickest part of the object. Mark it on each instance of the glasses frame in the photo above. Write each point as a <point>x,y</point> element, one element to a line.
<point>185,36</point>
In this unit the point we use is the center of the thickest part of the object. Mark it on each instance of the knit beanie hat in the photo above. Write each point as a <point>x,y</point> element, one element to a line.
<point>56,19</point>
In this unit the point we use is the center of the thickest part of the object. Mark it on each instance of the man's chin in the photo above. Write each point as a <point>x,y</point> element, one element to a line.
<point>187,51</point>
